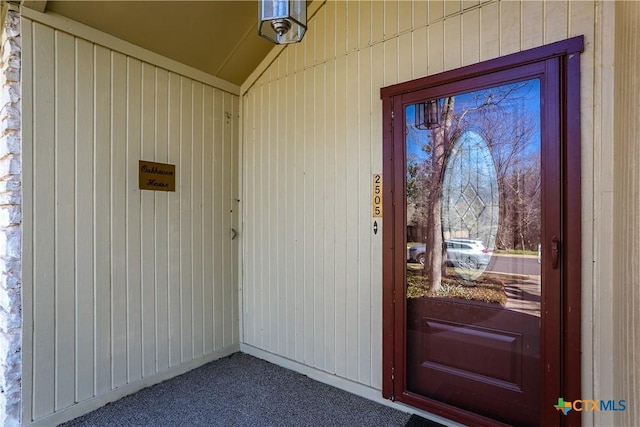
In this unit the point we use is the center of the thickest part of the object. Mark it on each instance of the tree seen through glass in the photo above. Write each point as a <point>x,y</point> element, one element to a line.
<point>473,179</point>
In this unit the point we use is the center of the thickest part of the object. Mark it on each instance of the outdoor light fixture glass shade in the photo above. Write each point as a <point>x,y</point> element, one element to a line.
<point>427,115</point>
<point>282,21</point>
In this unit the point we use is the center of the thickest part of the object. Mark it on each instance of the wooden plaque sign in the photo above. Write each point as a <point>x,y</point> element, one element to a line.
<point>156,176</point>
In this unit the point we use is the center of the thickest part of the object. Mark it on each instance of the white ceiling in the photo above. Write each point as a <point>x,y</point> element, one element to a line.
<point>218,37</point>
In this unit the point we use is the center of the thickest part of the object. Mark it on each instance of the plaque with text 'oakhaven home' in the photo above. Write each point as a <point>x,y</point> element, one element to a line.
<point>156,176</point>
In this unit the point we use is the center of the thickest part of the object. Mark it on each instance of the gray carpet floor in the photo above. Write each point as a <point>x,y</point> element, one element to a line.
<point>241,390</point>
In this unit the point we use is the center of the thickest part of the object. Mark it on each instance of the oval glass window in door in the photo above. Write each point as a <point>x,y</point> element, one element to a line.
<point>470,205</point>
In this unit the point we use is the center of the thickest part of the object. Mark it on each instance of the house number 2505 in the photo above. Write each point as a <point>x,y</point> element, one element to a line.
<point>376,195</point>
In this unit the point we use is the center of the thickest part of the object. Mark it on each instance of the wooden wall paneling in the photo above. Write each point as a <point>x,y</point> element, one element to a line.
<point>436,10</point>
<point>352,219</point>
<point>581,16</point>
<point>391,62</point>
<point>117,173</point>
<point>173,219</point>
<point>134,220</point>
<point>467,4</point>
<point>293,217</point>
<point>452,7</point>
<point>28,274</point>
<point>196,220</point>
<point>556,18</point>
<point>257,251</point>
<point>376,82</point>
<point>625,217</point>
<point>406,16</point>
<point>365,23</point>
<point>364,230</point>
<point>124,310</point>
<point>148,214</point>
<point>234,171</point>
<point>627,226</point>
<point>283,262</point>
<point>288,216</point>
<point>532,23</point>
<point>245,211</point>
<point>343,256</point>
<point>319,219</point>
<point>319,27</point>
<point>471,37</point>
<point>162,225</point>
<point>248,220</point>
<point>329,215</point>
<point>377,79</point>
<point>281,66</point>
<point>309,45</point>
<point>599,86</point>
<point>272,190</point>
<point>340,28</point>
<point>330,35</point>
<point>186,228</point>
<point>208,220</point>
<point>84,271</point>
<point>275,304</point>
<point>489,31</point>
<point>377,21</point>
<point>102,221</point>
<point>280,206</point>
<point>64,223</point>
<point>298,49</point>
<point>452,42</point>
<point>391,25</point>
<point>44,219</point>
<point>352,25</point>
<point>218,220</point>
<point>510,31</point>
<point>420,14</point>
<point>258,246</point>
<point>436,48</point>
<point>310,244</point>
<point>419,52</point>
<point>264,329</point>
<point>268,142</point>
<point>405,50</point>
<point>300,225</point>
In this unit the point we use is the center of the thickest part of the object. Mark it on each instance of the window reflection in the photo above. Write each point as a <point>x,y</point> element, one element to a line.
<point>473,197</point>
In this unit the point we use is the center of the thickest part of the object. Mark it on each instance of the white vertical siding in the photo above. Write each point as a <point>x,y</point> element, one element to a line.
<point>121,286</point>
<point>626,202</point>
<point>326,139</point>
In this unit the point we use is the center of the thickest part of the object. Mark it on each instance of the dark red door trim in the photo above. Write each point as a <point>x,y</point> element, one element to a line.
<point>572,308</point>
<point>563,63</point>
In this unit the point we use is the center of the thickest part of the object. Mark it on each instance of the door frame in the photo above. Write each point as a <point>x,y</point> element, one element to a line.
<point>567,373</point>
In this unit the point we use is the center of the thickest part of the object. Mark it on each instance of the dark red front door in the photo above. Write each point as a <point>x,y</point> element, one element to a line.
<point>475,279</point>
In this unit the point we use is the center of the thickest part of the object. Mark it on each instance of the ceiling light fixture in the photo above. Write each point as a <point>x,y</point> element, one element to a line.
<point>282,21</point>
